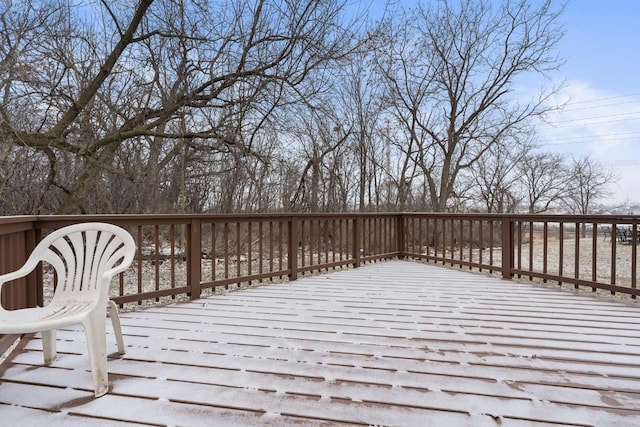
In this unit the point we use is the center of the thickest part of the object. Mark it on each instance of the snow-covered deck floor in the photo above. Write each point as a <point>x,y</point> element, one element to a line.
<point>394,343</point>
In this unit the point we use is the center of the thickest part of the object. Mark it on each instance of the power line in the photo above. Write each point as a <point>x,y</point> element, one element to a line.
<point>589,136</point>
<point>599,117</point>
<point>586,101</point>
<point>588,141</point>
<point>592,123</point>
<point>598,106</point>
<point>621,163</point>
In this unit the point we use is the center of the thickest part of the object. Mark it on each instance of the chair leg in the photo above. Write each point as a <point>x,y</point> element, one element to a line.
<point>95,329</point>
<point>117,329</point>
<point>49,346</point>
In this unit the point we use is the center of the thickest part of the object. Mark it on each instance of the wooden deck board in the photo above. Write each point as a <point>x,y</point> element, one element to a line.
<point>394,343</point>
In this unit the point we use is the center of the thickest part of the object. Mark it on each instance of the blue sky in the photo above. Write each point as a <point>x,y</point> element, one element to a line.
<point>602,118</point>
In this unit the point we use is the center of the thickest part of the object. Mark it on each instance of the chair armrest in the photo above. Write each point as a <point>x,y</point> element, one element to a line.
<point>27,268</point>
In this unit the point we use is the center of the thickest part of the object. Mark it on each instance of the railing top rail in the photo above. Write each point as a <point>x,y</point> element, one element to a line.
<point>566,218</point>
<point>52,221</point>
<point>205,216</point>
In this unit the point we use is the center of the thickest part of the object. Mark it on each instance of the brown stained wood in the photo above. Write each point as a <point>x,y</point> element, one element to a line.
<point>378,236</point>
<point>545,247</point>
<point>271,240</point>
<point>594,251</point>
<point>634,257</point>
<point>304,244</point>
<point>560,250</point>
<point>333,240</point>
<point>172,237</point>
<point>427,226</point>
<point>461,243</point>
<point>139,275</point>
<point>326,241</point>
<point>481,239</point>
<point>531,247</point>
<point>281,243</point>
<point>491,245</point>
<point>576,252</point>
<point>238,238</point>
<point>519,243</point>
<point>470,242</point>
<point>261,248</point>
<point>156,243</point>
<point>249,244</point>
<point>226,250</point>
<point>452,244</point>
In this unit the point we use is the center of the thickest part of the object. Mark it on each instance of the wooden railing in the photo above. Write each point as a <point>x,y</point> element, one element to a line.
<point>187,256</point>
<point>180,256</point>
<point>563,249</point>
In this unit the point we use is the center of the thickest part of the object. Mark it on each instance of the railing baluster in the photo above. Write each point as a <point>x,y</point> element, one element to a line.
<point>452,243</point>
<point>319,240</point>
<point>594,252</point>
<point>326,242</point>
<point>614,232</point>
<point>139,243</point>
<point>545,248</point>
<point>280,243</point>
<point>194,257</point>
<point>340,241</point>
<point>292,248</point>
<point>634,249</point>
<point>156,242</point>
<point>444,241</point>
<point>481,239</point>
<point>461,242</point>
<point>530,248</point>
<point>333,241</point>
<point>491,245</point>
<point>519,248</point>
<point>249,243</point>
<point>356,242</point>
<point>561,251</point>
<point>470,242</point>
<point>303,240</point>
<point>577,255</point>
<point>261,248</point>
<point>213,251</point>
<point>271,254</point>
<point>226,251</point>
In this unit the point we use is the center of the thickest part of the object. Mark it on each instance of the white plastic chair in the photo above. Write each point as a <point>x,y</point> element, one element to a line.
<point>85,258</point>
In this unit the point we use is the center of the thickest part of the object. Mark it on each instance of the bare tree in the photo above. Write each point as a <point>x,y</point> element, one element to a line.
<point>589,181</point>
<point>544,178</point>
<point>360,98</point>
<point>318,134</point>
<point>496,174</point>
<point>450,70</point>
<point>174,76</point>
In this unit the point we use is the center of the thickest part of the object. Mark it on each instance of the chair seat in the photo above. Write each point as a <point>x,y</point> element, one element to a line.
<point>54,315</point>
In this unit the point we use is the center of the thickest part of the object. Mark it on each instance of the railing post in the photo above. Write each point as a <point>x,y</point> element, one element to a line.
<point>293,248</point>
<point>194,254</point>
<point>401,238</point>
<point>356,242</point>
<point>507,247</point>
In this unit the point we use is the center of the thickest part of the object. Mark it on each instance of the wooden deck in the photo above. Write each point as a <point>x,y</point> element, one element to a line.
<point>395,343</point>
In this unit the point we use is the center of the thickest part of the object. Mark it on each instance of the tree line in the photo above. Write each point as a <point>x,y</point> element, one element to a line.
<point>186,106</point>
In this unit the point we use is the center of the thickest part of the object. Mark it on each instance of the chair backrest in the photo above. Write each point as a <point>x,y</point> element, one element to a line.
<point>85,257</point>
